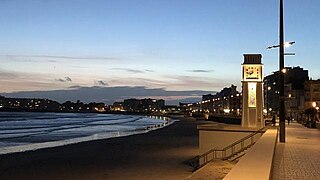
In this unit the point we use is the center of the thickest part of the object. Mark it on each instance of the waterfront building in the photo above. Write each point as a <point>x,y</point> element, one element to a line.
<point>294,102</point>
<point>227,101</point>
<point>117,106</point>
<point>171,109</point>
<point>143,105</point>
<point>294,87</point>
<point>312,94</point>
<point>24,104</point>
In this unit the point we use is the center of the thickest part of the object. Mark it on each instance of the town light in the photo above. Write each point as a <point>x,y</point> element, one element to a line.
<point>227,111</point>
<point>265,111</point>
<point>314,104</point>
<point>284,70</point>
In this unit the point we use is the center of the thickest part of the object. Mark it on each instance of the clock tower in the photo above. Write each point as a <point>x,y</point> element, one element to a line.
<point>252,98</point>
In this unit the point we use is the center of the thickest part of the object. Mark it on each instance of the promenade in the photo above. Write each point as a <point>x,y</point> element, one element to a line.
<point>299,157</point>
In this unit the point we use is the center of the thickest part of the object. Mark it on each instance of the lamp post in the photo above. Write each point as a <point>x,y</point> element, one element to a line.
<point>281,76</point>
<point>314,105</point>
<point>268,91</point>
<point>317,109</point>
<point>282,71</point>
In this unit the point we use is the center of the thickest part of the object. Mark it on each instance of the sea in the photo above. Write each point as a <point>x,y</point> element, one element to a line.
<point>25,131</point>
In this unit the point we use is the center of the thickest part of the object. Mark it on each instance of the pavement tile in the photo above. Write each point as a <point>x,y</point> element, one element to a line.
<point>299,157</point>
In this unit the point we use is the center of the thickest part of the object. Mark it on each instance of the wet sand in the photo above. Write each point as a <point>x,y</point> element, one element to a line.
<point>159,154</point>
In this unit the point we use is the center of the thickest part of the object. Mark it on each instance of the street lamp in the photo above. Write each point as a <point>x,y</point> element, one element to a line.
<point>286,44</point>
<point>267,101</point>
<point>314,105</point>
<point>282,70</point>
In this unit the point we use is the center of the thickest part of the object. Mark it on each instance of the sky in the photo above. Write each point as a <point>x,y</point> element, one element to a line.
<point>176,45</point>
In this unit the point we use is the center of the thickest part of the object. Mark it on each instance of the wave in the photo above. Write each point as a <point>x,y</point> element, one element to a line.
<point>36,131</point>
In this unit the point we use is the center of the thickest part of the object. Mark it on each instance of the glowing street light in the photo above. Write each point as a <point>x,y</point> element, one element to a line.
<point>284,70</point>
<point>288,44</point>
<point>314,104</point>
<point>285,44</point>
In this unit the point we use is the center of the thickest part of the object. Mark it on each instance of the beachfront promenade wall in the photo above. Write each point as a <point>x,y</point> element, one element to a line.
<point>217,136</point>
<point>257,162</point>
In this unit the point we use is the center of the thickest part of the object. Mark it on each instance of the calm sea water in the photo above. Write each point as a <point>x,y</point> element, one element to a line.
<point>22,131</point>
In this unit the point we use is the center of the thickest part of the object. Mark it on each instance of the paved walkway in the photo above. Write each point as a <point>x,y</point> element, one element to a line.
<point>299,157</point>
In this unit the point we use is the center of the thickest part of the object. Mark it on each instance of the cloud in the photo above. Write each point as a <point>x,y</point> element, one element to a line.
<point>133,70</point>
<point>68,79</point>
<point>178,82</point>
<point>136,81</point>
<point>129,70</point>
<point>201,71</point>
<point>7,74</point>
<point>60,80</point>
<point>65,79</point>
<point>110,94</point>
<point>13,80</point>
<point>74,87</point>
<point>101,83</point>
<point>173,82</point>
<point>59,57</point>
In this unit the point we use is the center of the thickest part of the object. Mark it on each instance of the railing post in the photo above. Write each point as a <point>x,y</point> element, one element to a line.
<point>206,157</point>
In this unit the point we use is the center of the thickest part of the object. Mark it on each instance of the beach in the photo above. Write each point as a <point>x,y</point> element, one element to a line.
<point>159,154</point>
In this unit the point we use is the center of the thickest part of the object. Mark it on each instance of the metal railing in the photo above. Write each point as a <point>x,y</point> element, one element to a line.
<point>227,152</point>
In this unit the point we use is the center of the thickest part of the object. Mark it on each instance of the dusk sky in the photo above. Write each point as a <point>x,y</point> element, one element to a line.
<point>171,44</point>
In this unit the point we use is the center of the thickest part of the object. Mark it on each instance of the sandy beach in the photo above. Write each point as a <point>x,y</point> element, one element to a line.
<point>159,154</point>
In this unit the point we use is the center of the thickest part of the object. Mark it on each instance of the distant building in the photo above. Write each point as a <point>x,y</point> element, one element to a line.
<point>28,104</point>
<point>47,105</point>
<point>227,101</point>
<point>132,105</point>
<point>117,106</point>
<point>2,101</point>
<point>185,104</point>
<point>143,105</point>
<point>172,109</point>
<point>207,97</point>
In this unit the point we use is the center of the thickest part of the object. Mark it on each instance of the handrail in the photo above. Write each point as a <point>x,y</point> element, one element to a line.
<point>195,162</point>
<point>246,137</point>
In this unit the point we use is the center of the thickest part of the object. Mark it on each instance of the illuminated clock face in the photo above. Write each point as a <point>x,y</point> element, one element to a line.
<point>252,72</point>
